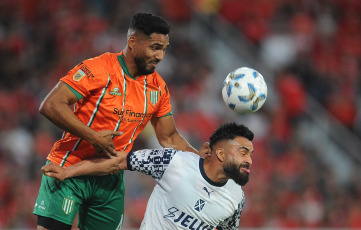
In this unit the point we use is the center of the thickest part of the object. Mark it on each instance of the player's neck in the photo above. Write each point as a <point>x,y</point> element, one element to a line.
<point>129,61</point>
<point>214,171</point>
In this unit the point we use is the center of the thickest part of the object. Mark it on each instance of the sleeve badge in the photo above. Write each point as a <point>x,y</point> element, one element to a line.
<point>78,75</point>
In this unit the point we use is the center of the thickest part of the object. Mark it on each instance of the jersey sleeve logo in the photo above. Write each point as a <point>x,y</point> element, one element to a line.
<point>78,75</point>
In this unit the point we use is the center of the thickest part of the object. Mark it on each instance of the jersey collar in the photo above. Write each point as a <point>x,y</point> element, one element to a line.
<point>124,66</point>
<point>204,175</point>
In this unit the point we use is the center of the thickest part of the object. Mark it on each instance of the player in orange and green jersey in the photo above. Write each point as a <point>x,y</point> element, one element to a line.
<point>115,96</point>
<point>115,101</point>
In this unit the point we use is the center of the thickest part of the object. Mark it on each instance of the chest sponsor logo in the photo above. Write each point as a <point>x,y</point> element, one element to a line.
<point>68,205</point>
<point>130,116</point>
<point>188,221</point>
<point>78,75</point>
<point>153,97</point>
<point>115,92</point>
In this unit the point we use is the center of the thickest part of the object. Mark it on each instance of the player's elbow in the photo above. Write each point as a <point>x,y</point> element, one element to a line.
<point>169,140</point>
<point>43,108</point>
<point>166,142</point>
<point>46,108</point>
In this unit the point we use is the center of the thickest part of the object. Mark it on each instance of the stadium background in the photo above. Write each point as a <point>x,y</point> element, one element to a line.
<point>306,170</point>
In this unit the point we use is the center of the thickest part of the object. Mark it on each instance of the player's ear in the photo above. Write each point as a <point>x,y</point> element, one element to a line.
<point>131,42</point>
<point>205,150</point>
<point>220,154</point>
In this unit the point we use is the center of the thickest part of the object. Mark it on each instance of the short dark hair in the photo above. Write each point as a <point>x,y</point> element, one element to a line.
<point>229,131</point>
<point>149,23</point>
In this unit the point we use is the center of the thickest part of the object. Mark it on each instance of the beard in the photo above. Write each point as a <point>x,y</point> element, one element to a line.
<point>233,171</point>
<point>142,66</point>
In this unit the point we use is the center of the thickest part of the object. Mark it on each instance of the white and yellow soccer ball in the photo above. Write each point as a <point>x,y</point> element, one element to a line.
<point>244,90</point>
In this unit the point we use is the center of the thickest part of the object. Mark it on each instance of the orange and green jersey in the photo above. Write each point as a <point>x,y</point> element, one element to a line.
<point>109,98</point>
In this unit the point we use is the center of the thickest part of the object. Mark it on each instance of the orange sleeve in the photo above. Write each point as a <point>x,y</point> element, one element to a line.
<point>89,75</point>
<point>165,107</point>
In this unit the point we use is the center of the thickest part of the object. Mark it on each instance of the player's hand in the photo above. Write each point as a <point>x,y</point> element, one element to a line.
<point>104,143</point>
<point>120,162</point>
<point>205,150</point>
<point>54,170</point>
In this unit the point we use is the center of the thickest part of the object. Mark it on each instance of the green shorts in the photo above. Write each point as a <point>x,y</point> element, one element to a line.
<point>98,199</point>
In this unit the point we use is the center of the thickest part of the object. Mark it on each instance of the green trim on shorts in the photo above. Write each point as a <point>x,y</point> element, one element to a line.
<point>98,199</point>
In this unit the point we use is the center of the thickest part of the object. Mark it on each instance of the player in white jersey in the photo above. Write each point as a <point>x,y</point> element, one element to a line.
<point>191,192</point>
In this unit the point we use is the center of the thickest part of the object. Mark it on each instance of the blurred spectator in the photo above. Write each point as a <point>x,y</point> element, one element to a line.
<point>312,47</point>
<point>292,95</point>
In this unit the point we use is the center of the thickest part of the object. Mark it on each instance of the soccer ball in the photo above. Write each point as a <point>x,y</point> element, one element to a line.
<point>244,90</point>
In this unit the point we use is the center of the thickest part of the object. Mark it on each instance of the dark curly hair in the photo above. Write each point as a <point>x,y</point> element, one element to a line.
<point>229,131</point>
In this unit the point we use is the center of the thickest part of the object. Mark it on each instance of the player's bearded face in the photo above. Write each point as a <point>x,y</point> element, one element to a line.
<point>234,172</point>
<point>149,52</point>
<point>143,66</point>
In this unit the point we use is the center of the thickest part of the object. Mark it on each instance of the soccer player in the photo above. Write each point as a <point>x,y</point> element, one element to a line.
<point>191,192</point>
<point>115,96</point>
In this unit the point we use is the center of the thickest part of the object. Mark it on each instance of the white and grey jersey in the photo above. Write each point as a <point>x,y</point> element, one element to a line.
<point>184,197</point>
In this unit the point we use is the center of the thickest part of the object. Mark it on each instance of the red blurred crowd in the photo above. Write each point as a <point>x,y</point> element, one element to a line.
<point>313,47</point>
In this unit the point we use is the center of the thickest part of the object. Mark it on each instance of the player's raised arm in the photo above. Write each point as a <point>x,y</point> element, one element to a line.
<point>168,135</point>
<point>55,107</point>
<point>95,166</point>
<point>142,161</point>
<point>153,162</point>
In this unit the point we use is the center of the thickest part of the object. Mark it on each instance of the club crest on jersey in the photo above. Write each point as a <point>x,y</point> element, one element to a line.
<point>154,97</point>
<point>115,92</point>
<point>199,205</point>
<point>78,75</point>
<point>68,205</point>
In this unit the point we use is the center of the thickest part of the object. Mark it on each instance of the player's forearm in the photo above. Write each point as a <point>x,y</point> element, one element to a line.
<point>185,146</point>
<point>97,166</point>
<point>168,135</point>
<point>87,167</point>
<point>177,141</point>
<point>63,117</point>
<point>190,148</point>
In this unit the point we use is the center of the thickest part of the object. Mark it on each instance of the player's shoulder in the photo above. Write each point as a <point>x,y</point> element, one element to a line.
<point>182,160</point>
<point>100,66</point>
<point>107,56</point>
<point>188,156</point>
<point>102,62</point>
